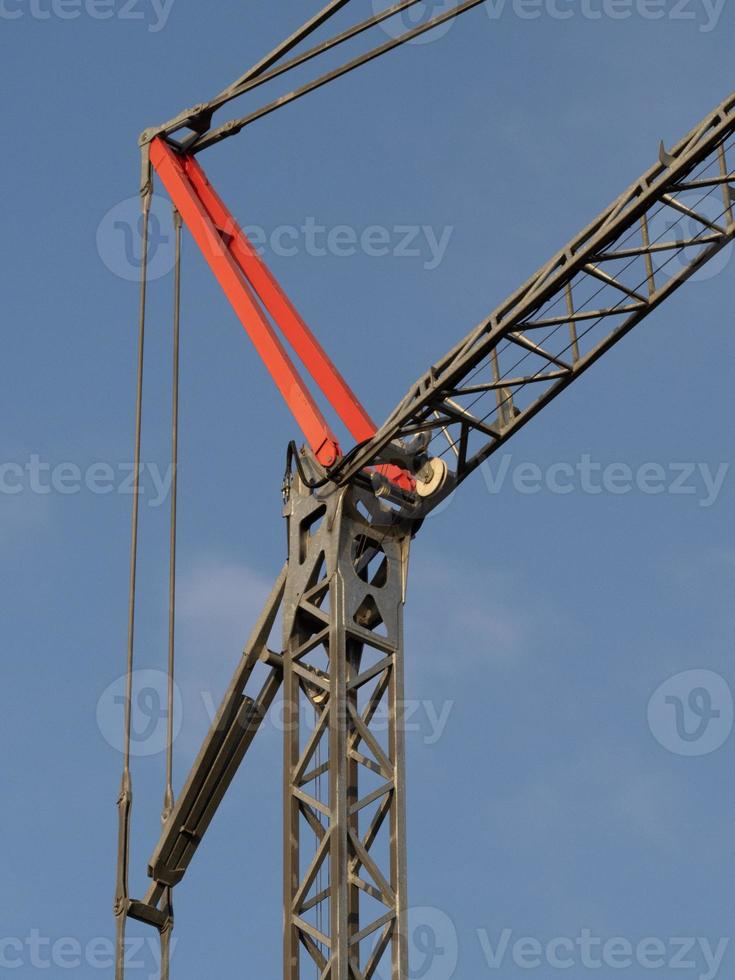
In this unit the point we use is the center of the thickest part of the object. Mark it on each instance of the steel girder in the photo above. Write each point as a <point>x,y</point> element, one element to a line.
<point>632,257</point>
<point>345,848</point>
<point>237,721</point>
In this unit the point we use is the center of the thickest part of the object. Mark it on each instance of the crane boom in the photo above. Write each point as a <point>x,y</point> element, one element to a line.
<point>574,309</point>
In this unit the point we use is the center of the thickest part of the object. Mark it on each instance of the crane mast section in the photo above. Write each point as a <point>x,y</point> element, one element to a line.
<point>630,259</point>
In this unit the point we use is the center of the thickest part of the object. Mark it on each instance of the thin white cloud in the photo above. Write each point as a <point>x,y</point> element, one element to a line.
<point>458,611</point>
<point>600,790</point>
<point>218,603</point>
<point>221,595</point>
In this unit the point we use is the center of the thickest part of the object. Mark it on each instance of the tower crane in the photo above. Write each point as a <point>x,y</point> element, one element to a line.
<point>351,515</point>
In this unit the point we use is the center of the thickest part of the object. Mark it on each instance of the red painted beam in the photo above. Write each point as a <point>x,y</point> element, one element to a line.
<point>334,387</point>
<point>216,244</point>
<point>251,288</point>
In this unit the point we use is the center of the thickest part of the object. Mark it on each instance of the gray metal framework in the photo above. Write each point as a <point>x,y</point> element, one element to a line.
<point>601,285</point>
<point>341,594</point>
<point>344,761</point>
<point>341,598</point>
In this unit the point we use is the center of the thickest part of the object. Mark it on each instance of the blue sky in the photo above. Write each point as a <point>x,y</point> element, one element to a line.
<point>546,797</point>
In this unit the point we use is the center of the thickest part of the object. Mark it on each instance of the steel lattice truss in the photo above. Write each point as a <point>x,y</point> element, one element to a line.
<point>344,771</point>
<point>591,294</point>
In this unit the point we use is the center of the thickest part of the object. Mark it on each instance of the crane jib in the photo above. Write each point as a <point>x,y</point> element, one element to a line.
<point>625,264</point>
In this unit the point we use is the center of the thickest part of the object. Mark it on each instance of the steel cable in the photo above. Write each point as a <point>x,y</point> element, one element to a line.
<point>199,118</point>
<point>235,126</point>
<point>125,799</point>
<point>168,800</point>
<point>169,793</point>
<point>250,82</point>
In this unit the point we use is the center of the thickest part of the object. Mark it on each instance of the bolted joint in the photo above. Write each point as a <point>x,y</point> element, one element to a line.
<point>328,453</point>
<point>147,136</point>
<point>120,906</point>
<point>125,796</point>
<point>149,915</point>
